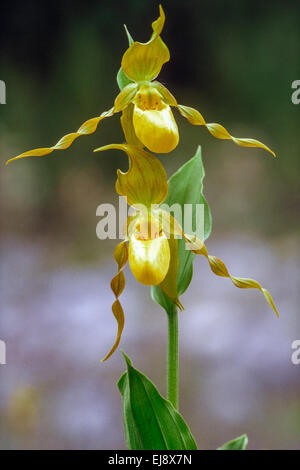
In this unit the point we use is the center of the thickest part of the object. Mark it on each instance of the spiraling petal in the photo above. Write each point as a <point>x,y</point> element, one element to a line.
<point>88,127</point>
<point>172,228</point>
<point>218,131</point>
<point>149,259</point>
<point>145,182</point>
<point>156,129</point>
<point>117,286</point>
<point>143,61</point>
<point>218,267</point>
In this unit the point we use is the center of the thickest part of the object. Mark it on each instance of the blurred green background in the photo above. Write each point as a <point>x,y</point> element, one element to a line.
<point>235,62</point>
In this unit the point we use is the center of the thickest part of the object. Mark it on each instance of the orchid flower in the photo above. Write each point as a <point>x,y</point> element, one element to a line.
<point>147,118</point>
<point>150,243</point>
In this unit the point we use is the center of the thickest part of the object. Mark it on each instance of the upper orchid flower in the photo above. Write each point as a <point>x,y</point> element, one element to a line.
<point>151,234</point>
<point>147,118</point>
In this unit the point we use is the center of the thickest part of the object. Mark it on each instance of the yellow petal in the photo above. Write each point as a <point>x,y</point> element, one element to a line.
<point>218,267</point>
<point>127,126</point>
<point>149,259</point>
<point>143,61</point>
<point>88,127</point>
<point>158,24</point>
<point>145,182</point>
<point>169,224</point>
<point>166,95</point>
<point>117,286</point>
<point>156,129</point>
<point>119,316</point>
<point>125,97</point>
<point>218,131</point>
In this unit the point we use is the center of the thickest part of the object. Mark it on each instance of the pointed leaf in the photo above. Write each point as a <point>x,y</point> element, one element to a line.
<point>122,78</point>
<point>240,443</point>
<point>150,421</point>
<point>186,187</point>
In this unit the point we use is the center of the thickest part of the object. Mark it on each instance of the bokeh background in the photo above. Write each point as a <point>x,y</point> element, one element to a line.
<point>235,62</point>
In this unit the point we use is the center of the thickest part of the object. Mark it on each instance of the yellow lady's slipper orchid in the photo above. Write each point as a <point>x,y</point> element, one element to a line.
<point>147,118</point>
<point>153,121</point>
<point>147,121</point>
<point>152,235</point>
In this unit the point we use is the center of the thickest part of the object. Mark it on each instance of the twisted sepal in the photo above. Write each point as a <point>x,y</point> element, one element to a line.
<point>117,286</point>
<point>218,131</point>
<point>88,127</point>
<point>219,268</point>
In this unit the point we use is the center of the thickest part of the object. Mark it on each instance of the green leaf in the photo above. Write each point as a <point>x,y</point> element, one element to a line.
<point>150,421</point>
<point>129,37</point>
<point>122,78</point>
<point>240,443</point>
<point>185,187</point>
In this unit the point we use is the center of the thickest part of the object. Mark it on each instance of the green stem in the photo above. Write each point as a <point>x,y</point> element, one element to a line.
<point>172,381</point>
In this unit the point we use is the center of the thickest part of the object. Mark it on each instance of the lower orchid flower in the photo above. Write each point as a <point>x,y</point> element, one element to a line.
<point>150,243</point>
